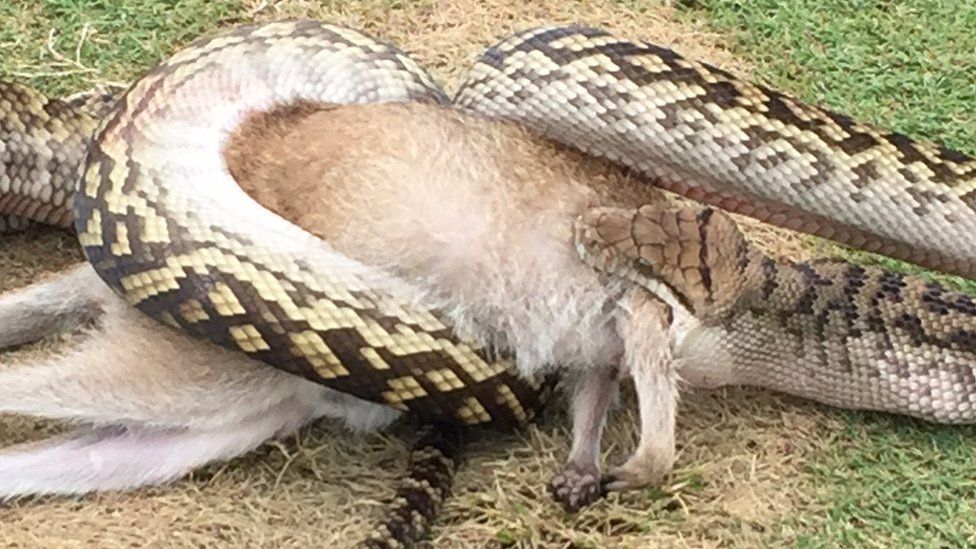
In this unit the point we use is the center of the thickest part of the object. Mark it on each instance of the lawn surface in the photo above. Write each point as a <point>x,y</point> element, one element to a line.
<point>903,65</point>
<point>909,66</point>
<point>754,469</point>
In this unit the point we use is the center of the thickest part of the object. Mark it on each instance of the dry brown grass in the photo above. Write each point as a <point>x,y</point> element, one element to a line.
<point>742,452</point>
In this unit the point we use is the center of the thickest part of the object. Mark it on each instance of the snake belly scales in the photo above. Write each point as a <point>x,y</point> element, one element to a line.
<point>168,229</point>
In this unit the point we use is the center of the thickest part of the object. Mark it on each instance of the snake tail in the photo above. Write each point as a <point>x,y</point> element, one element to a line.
<point>422,491</point>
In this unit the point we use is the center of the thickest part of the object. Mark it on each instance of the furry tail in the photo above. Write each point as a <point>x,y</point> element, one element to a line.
<point>118,458</point>
<point>64,300</point>
<point>422,491</point>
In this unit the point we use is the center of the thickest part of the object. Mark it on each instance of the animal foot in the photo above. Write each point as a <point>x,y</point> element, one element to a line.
<point>576,487</point>
<point>635,473</point>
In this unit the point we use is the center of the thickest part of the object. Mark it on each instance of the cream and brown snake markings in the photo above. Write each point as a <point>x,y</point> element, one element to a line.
<point>164,223</point>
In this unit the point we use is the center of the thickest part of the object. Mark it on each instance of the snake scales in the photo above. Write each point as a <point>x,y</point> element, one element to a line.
<point>847,335</point>
<point>166,226</point>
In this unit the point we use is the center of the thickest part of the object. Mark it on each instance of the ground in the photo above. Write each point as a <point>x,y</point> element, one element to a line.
<point>754,468</point>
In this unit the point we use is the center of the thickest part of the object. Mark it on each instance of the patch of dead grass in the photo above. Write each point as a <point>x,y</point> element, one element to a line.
<point>742,452</point>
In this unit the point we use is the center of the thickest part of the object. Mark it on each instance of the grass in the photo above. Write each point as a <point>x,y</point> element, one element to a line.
<point>908,66</point>
<point>754,469</point>
<point>60,46</point>
<point>896,483</point>
<point>905,65</point>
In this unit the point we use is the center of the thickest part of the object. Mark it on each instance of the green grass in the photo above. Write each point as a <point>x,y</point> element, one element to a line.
<point>894,482</point>
<point>905,65</point>
<point>909,66</point>
<point>61,46</point>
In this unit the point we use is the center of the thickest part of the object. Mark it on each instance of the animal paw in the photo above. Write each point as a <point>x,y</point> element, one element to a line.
<point>576,487</point>
<point>632,475</point>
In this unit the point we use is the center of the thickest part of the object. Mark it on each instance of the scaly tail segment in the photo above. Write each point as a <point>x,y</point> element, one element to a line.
<point>10,224</point>
<point>843,334</point>
<point>420,494</point>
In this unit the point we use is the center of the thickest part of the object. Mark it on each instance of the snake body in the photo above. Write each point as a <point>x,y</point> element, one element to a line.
<point>253,282</point>
<point>42,143</point>
<point>697,130</point>
<point>851,336</point>
<point>164,239</point>
<point>166,226</point>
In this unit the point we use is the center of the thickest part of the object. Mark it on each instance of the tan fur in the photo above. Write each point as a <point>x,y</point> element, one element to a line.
<point>646,325</point>
<point>481,212</point>
<point>478,213</point>
<point>49,306</point>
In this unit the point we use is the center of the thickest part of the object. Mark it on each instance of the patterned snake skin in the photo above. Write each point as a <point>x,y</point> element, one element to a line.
<point>698,131</point>
<point>166,226</point>
<point>835,332</point>
<point>43,142</point>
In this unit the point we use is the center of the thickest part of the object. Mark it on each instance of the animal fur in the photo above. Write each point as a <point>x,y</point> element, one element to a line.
<point>153,403</point>
<point>477,214</point>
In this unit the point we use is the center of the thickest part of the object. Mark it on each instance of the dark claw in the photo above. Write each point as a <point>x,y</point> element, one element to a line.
<point>606,481</point>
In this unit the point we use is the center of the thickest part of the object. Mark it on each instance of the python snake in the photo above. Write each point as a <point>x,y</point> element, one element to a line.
<point>166,226</point>
<point>851,336</point>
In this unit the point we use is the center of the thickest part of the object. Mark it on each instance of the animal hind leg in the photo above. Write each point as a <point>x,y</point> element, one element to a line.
<point>64,300</point>
<point>578,484</point>
<point>645,330</point>
<point>690,260</point>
